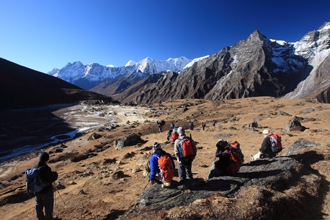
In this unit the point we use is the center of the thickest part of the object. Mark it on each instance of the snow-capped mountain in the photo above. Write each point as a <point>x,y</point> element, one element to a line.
<point>88,76</point>
<point>256,66</point>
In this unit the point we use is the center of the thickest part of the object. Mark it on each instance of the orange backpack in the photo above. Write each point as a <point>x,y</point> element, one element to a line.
<point>166,167</point>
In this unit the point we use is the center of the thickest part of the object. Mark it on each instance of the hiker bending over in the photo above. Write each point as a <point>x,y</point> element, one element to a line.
<point>266,147</point>
<point>45,198</point>
<point>160,124</point>
<point>185,152</point>
<point>161,166</point>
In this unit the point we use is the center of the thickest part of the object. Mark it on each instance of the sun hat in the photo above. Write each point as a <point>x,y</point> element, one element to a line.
<point>181,130</point>
<point>265,131</point>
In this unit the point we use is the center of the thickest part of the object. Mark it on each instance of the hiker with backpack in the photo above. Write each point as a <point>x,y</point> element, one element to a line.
<point>174,135</point>
<point>160,124</point>
<point>270,147</point>
<point>185,152</point>
<point>230,159</point>
<point>161,166</point>
<point>41,186</point>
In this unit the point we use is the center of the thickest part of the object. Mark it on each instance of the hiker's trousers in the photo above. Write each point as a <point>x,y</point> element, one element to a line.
<point>184,170</point>
<point>45,200</point>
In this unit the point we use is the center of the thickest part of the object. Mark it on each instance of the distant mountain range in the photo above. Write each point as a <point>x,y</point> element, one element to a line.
<point>256,66</point>
<point>88,76</point>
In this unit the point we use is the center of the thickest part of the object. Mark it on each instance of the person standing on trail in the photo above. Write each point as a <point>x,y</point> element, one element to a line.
<point>45,198</point>
<point>172,126</point>
<point>203,125</point>
<point>214,122</point>
<point>185,152</point>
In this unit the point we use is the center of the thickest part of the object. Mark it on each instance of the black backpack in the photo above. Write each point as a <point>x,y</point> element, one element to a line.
<point>34,182</point>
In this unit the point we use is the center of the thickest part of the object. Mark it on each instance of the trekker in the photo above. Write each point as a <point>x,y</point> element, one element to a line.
<point>45,198</point>
<point>229,159</point>
<point>203,125</point>
<point>160,124</point>
<point>174,135</point>
<point>161,171</point>
<point>191,126</point>
<point>219,166</point>
<point>265,150</point>
<point>185,152</point>
<point>168,135</point>
<point>214,122</point>
<point>172,126</point>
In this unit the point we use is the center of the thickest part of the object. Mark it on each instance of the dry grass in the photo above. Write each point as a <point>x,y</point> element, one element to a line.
<point>106,198</point>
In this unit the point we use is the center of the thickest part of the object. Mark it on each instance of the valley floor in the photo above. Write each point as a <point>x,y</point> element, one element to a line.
<point>88,188</point>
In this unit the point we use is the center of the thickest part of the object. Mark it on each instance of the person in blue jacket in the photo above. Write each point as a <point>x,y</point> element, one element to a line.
<point>155,173</point>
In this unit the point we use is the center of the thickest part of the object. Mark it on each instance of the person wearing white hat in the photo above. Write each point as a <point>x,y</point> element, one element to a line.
<point>265,150</point>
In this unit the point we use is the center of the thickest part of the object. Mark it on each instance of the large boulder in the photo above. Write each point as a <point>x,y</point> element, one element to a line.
<point>263,189</point>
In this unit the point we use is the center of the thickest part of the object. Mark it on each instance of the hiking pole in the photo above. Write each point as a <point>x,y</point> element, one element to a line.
<point>60,195</point>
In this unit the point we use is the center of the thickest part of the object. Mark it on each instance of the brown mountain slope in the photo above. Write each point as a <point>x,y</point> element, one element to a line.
<point>21,87</point>
<point>106,183</point>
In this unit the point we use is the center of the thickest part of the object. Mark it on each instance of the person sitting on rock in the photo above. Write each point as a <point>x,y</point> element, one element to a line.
<point>223,155</point>
<point>265,150</point>
<point>161,166</point>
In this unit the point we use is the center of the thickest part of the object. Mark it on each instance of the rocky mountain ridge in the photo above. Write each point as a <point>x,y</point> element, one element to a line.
<point>257,66</point>
<point>253,67</point>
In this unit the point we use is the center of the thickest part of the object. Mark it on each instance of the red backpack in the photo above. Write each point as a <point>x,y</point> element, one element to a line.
<point>166,167</point>
<point>235,146</point>
<point>174,136</point>
<point>276,142</point>
<point>186,148</point>
<point>234,164</point>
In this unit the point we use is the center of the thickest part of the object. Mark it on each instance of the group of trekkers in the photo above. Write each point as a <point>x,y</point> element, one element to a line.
<point>228,160</point>
<point>228,157</point>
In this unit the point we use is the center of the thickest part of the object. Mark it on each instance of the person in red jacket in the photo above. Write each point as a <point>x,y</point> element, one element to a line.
<point>45,198</point>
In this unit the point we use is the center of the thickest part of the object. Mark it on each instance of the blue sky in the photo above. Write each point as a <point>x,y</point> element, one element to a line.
<point>44,34</point>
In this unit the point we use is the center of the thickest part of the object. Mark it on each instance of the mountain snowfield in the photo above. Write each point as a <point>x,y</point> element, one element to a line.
<point>314,47</point>
<point>96,73</point>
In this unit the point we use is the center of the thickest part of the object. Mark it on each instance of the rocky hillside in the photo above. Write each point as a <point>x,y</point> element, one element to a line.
<point>21,87</point>
<point>253,67</point>
<point>102,175</point>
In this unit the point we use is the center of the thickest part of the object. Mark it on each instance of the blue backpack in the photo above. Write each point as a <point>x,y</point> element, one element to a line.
<point>34,182</point>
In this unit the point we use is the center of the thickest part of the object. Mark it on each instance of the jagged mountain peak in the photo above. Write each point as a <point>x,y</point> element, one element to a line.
<point>257,35</point>
<point>130,63</point>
